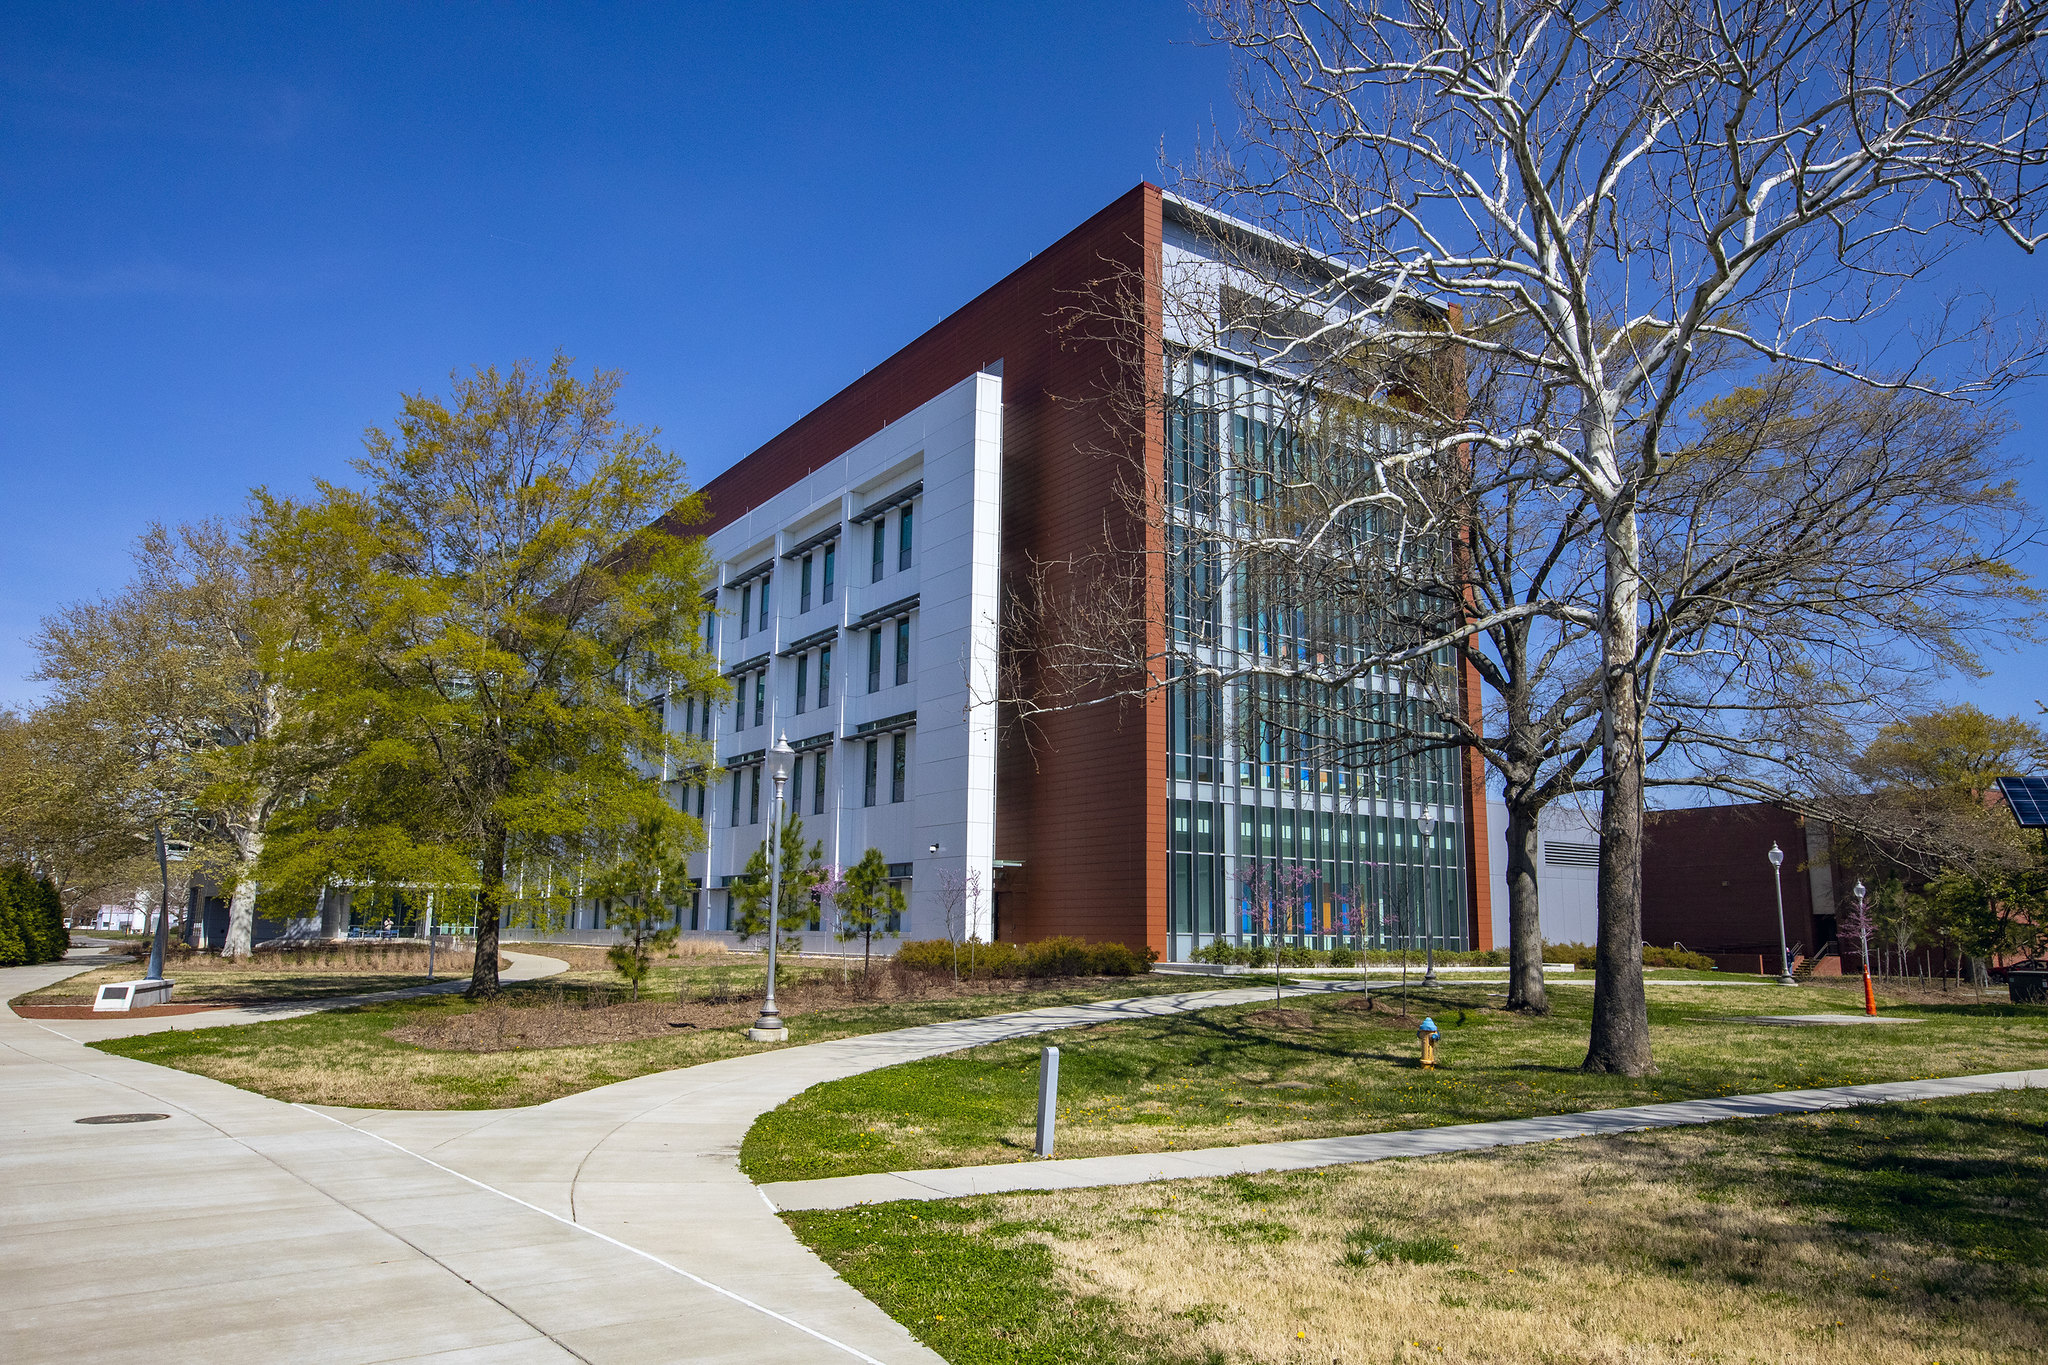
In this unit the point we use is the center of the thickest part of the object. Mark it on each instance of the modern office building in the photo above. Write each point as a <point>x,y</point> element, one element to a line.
<point>863,556</point>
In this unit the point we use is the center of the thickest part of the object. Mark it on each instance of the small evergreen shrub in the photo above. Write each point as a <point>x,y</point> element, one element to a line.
<point>31,918</point>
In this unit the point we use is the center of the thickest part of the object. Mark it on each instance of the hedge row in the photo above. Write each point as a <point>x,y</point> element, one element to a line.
<point>1047,957</point>
<point>31,918</point>
<point>1577,954</point>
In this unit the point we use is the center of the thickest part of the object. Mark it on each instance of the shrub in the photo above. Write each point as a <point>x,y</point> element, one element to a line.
<point>1343,957</point>
<point>1584,956</point>
<point>1047,957</point>
<point>31,918</point>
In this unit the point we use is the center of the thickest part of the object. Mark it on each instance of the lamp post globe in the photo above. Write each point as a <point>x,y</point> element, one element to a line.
<point>1777,857</point>
<point>1425,823</point>
<point>769,1028</point>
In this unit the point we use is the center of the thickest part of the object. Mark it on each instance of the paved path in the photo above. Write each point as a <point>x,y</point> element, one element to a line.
<point>961,1181</point>
<point>519,967</point>
<point>608,1226</point>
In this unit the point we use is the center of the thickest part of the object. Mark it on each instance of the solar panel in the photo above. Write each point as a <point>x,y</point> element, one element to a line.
<point>2028,797</point>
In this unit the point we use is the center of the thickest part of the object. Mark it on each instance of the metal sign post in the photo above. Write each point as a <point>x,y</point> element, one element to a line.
<point>1048,1096</point>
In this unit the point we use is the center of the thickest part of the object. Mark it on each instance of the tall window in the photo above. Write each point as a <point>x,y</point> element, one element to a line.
<point>831,557</point>
<point>796,782</point>
<point>739,708</point>
<point>881,542</point>
<point>875,660</point>
<point>690,716</point>
<point>874,758</point>
<point>754,795</point>
<point>902,650</point>
<point>764,604</point>
<point>903,541</point>
<point>899,747</point>
<point>738,779</point>
<point>818,785</point>
<point>803,590</point>
<point>803,681</point>
<point>710,631</point>
<point>760,696</point>
<point>824,675</point>
<point>746,608</point>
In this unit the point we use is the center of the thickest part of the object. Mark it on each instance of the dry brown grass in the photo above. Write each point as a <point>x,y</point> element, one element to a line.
<point>270,976</point>
<point>1593,1251</point>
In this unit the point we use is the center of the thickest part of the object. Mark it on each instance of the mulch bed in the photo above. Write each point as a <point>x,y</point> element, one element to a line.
<point>87,1011</point>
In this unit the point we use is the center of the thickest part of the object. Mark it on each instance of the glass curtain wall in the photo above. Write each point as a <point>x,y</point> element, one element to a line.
<point>1275,780</point>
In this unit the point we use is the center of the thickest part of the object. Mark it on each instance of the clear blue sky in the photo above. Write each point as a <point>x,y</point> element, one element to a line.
<point>232,235</point>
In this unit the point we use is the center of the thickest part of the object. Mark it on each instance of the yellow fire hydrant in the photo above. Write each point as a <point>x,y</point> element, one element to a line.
<point>1427,1033</point>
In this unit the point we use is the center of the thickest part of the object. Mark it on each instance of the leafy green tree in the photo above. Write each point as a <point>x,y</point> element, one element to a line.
<point>650,869</point>
<point>31,918</point>
<point>802,869</point>
<point>867,902</point>
<point>492,618</point>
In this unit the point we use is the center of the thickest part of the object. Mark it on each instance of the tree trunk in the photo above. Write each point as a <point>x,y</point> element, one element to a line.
<point>1525,927</point>
<point>242,906</point>
<point>490,898</point>
<point>1620,1041</point>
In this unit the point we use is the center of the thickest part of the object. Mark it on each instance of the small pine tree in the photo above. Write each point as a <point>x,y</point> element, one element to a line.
<point>652,867</point>
<point>868,902</point>
<point>801,870</point>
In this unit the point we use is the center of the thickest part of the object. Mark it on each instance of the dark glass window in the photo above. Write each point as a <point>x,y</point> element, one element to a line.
<point>818,785</point>
<point>874,661</point>
<point>760,697</point>
<point>903,541</point>
<point>902,650</point>
<point>899,746</point>
<point>738,779</point>
<point>831,557</point>
<point>803,591</point>
<point>881,541</point>
<point>710,630</point>
<point>754,796</point>
<point>874,760</point>
<point>764,604</point>
<point>796,783</point>
<point>746,608</point>
<point>824,675</point>
<point>803,681</point>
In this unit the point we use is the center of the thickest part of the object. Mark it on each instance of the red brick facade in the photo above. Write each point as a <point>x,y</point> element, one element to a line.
<point>1707,883</point>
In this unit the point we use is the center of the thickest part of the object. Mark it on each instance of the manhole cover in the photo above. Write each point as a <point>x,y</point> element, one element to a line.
<point>124,1118</point>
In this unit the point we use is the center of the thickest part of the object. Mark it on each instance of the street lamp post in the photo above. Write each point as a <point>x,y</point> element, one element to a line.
<point>1863,937</point>
<point>1777,857</point>
<point>769,1028</point>
<point>1426,823</point>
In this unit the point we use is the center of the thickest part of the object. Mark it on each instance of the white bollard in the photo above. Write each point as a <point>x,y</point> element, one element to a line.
<point>1048,1096</point>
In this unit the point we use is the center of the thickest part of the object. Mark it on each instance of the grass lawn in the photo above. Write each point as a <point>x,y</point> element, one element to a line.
<point>373,1056</point>
<point>1893,1235</point>
<point>1327,1065</point>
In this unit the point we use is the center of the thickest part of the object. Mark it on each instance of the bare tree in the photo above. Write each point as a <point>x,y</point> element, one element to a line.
<point>1605,189</point>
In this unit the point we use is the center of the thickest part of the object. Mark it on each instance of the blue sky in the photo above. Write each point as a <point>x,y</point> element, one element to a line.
<point>233,235</point>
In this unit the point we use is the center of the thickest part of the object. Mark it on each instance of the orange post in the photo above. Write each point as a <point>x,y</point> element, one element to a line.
<point>1869,996</point>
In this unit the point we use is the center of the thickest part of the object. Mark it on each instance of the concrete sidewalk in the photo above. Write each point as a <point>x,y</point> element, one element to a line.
<point>519,967</point>
<point>608,1226</point>
<point>962,1181</point>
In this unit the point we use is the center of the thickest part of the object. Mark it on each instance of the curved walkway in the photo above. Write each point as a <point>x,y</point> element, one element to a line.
<point>959,1182</point>
<point>519,967</point>
<point>612,1225</point>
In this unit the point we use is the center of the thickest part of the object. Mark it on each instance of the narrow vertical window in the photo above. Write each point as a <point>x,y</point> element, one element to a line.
<point>868,786</point>
<point>702,787</point>
<point>746,608</point>
<point>690,716</point>
<point>754,796</point>
<point>831,559</point>
<point>881,543</point>
<point>710,631</point>
<point>899,747</point>
<point>738,779</point>
<point>764,603</point>
<point>739,709</point>
<point>705,720</point>
<point>803,587</point>
<point>874,661</point>
<point>803,681</point>
<point>796,782</point>
<point>760,696</point>
<point>903,540</point>
<point>824,675</point>
<point>902,650</point>
<point>818,785</point>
